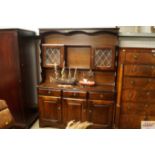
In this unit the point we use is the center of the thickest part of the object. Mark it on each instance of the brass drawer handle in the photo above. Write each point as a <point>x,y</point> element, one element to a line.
<point>84,110</point>
<point>101,96</point>
<point>135,56</point>
<point>6,123</point>
<point>128,107</point>
<point>132,82</point>
<point>153,53</point>
<point>148,93</point>
<point>75,94</point>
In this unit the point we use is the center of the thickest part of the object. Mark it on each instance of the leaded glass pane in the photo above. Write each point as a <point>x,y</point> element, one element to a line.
<point>103,57</point>
<point>52,56</point>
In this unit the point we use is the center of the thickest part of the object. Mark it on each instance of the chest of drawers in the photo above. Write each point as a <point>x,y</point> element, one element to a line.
<point>136,87</point>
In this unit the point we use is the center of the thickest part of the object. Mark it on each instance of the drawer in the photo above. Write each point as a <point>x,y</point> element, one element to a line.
<point>134,108</point>
<point>138,95</point>
<point>150,108</point>
<point>139,70</point>
<point>139,83</point>
<point>131,121</point>
<point>49,92</point>
<point>75,94</point>
<point>142,56</point>
<point>101,95</point>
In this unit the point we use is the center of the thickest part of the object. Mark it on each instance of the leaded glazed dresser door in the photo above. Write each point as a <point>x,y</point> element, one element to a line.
<point>53,55</point>
<point>103,58</point>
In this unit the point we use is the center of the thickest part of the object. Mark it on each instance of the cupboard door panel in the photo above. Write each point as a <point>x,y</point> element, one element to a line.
<point>74,109</point>
<point>50,109</point>
<point>100,114</point>
<point>53,54</point>
<point>104,58</point>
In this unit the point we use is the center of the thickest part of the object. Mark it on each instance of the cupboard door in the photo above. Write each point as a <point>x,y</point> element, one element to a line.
<point>53,55</point>
<point>104,58</point>
<point>50,109</point>
<point>74,109</point>
<point>100,113</point>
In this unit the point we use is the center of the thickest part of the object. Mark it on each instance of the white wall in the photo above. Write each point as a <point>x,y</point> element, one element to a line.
<point>32,14</point>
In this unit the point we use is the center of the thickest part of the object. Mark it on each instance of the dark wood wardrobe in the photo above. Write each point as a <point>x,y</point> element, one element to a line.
<point>18,76</point>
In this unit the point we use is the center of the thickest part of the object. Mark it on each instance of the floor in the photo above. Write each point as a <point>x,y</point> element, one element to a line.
<point>36,126</point>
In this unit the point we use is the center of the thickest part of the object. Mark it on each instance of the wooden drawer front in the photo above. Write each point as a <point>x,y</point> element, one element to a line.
<point>134,108</point>
<point>49,92</point>
<point>134,121</point>
<point>139,83</point>
<point>101,95</point>
<point>139,70</point>
<point>141,57</point>
<point>75,94</point>
<point>138,96</point>
<point>131,121</point>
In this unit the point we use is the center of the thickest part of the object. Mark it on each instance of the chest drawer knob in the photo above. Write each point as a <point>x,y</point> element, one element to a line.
<point>148,93</point>
<point>101,96</point>
<point>132,82</point>
<point>75,94</point>
<point>149,80</point>
<point>6,123</point>
<point>59,108</point>
<point>135,56</point>
<point>128,107</point>
<point>90,111</point>
<point>49,92</point>
<point>146,105</point>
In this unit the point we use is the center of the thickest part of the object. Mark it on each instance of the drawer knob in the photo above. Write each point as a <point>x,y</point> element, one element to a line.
<point>146,105</point>
<point>6,123</point>
<point>132,82</point>
<point>101,96</point>
<point>75,94</point>
<point>124,50</point>
<point>135,56</point>
<point>59,108</point>
<point>148,93</point>
<point>128,107</point>
<point>90,111</point>
<point>149,80</point>
<point>49,92</point>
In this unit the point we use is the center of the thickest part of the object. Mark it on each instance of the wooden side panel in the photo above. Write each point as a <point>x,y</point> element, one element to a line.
<point>10,83</point>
